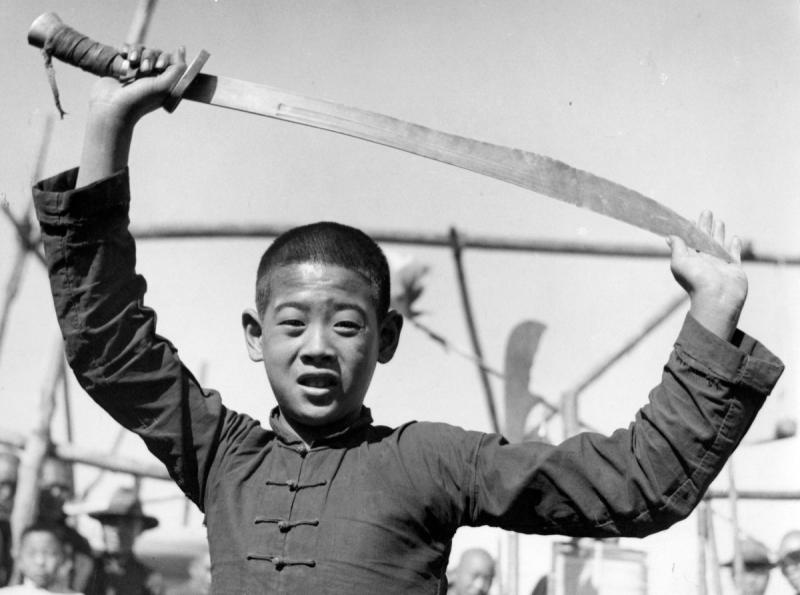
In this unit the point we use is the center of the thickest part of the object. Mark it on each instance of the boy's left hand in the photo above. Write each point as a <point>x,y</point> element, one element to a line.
<point>717,289</point>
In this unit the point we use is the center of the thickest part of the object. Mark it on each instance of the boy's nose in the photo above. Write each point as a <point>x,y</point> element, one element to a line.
<point>316,347</point>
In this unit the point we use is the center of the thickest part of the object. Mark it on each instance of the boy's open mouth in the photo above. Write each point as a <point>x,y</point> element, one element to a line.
<point>318,380</point>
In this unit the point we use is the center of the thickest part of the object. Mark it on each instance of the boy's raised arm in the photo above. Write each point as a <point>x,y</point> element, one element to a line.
<point>110,336</point>
<point>115,108</point>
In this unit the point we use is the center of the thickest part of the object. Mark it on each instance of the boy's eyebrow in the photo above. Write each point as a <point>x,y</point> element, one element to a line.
<point>350,306</point>
<point>338,307</point>
<point>296,305</point>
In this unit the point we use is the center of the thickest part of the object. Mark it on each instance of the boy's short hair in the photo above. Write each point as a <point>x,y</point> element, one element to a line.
<point>43,526</point>
<point>328,243</point>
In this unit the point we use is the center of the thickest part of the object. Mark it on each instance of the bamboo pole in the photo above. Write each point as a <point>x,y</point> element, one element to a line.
<point>35,450</point>
<point>141,22</point>
<point>738,562</point>
<point>754,495</point>
<point>12,287</point>
<point>716,580</point>
<point>95,458</point>
<point>121,432</point>
<point>434,240</point>
<point>65,395</point>
<point>22,231</point>
<point>455,244</point>
<point>702,540</point>
<point>438,240</point>
<point>661,316</point>
<point>24,228</point>
<point>569,400</point>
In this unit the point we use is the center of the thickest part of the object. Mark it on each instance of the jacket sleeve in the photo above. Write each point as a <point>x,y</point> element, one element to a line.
<point>110,336</point>
<point>641,479</point>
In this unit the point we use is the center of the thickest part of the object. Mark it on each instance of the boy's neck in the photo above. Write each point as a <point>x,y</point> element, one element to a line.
<point>308,435</point>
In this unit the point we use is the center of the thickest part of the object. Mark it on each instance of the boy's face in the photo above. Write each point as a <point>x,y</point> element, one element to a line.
<point>40,556</point>
<point>320,339</point>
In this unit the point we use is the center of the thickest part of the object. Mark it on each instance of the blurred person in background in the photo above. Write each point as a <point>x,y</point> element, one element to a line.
<point>758,565</point>
<point>80,571</point>
<point>122,522</point>
<point>9,468</point>
<point>474,573</point>
<point>42,554</point>
<point>789,559</point>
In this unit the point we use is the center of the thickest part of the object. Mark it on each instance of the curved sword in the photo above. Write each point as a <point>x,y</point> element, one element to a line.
<point>538,173</point>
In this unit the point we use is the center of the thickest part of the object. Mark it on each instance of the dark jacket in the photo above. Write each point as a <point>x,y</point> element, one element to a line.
<point>372,509</point>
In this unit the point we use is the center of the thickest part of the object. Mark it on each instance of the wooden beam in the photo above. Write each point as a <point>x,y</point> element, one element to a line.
<point>35,450</point>
<point>439,240</point>
<point>95,458</point>
<point>141,22</point>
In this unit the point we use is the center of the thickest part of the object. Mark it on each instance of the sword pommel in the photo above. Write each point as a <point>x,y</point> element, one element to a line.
<point>56,39</point>
<point>43,28</point>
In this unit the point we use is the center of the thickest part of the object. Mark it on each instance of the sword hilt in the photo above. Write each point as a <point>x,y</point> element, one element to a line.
<point>58,40</point>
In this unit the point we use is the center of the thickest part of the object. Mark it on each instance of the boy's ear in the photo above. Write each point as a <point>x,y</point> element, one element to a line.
<point>389,336</point>
<point>252,334</point>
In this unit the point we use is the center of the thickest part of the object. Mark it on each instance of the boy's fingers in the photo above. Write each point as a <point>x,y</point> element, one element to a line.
<point>133,53</point>
<point>164,59</point>
<point>148,59</point>
<point>677,245</point>
<point>719,231</point>
<point>704,222</point>
<point>735,249</point>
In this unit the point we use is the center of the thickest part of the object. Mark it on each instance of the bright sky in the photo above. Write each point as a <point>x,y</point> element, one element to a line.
<point>692,104</point>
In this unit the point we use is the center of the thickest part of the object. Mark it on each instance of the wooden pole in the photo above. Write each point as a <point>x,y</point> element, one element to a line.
<point>713,562</point>
<point>738,562</point>
<point>36,448</point>
<point>450,347</point>
<point>101,472</point>
<point>65,395</point>
<point>702,540</point>
<point>141,22</point>
<point>437,240</point>
<point>473,331</point>
<point>95,458</point>
<point>569,400</point>
<point>24,230</point>
<point>12,287</point>
<point>651,325</point>
<point>754,495</point>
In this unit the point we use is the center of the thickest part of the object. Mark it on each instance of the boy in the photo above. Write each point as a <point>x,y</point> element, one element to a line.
<point>324,501</point>
<point>41,555</point>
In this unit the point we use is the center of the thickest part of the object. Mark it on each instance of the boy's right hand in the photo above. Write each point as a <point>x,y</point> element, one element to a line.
<point>115,107</point>
<point>152,73</point>
<point>717,289</point>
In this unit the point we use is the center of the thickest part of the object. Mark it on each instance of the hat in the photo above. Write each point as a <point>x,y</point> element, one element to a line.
<point>790,547</point>
<point>124,505</point>
<point>754,554</point>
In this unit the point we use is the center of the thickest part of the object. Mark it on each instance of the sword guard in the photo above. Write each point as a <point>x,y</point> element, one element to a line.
<point>179,88</point>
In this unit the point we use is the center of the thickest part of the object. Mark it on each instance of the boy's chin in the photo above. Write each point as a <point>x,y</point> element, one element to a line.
<point>319,417</point>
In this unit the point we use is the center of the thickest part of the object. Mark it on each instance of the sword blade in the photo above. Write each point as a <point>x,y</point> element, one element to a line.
<point>538,173</point>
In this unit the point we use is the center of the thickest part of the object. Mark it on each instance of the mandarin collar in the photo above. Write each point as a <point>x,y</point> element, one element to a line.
<point>327,434</point>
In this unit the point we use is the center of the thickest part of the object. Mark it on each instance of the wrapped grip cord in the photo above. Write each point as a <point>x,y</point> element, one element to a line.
<point>75,48</point>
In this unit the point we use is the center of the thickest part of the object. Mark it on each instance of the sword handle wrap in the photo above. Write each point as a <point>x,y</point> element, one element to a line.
<point>55,38</point>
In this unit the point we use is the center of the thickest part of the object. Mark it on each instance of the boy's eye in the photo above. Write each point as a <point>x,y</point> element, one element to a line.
<point>347,327</point>
<point>292,322</point>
